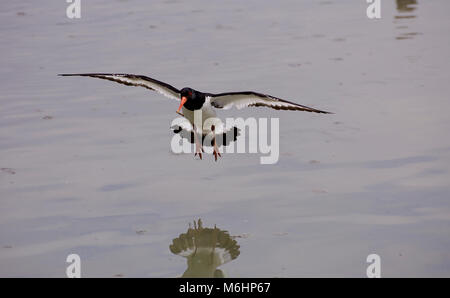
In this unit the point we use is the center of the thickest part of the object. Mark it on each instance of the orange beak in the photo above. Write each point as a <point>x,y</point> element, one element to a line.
<point>183,101</point>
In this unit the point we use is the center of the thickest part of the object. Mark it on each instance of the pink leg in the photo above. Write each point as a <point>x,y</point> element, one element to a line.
<point>198,145</point>
<point>216,150</point>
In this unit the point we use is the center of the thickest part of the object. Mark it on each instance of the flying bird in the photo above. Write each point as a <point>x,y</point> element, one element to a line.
<point>192,100</point>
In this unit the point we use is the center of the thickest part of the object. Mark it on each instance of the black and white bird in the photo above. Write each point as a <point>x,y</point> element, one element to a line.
<point>192,101</point>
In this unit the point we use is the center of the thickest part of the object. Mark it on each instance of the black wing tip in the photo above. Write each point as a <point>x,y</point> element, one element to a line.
<point>310,110</point>
<point>83,74</point>
<point>78,74</point>
<point>323,112</point>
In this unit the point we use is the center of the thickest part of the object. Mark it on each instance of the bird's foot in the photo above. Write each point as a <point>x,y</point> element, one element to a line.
<point>199,150</point>
<point>216,152</point>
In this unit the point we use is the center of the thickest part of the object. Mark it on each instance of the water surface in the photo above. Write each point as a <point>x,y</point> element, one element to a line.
<point>86,165</point>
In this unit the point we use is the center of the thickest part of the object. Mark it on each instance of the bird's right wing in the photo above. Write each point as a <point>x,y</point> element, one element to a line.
<point>256,99</point>
<point>135,80</point>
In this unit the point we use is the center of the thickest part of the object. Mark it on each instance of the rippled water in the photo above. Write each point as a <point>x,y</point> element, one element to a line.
<point>86,165</point>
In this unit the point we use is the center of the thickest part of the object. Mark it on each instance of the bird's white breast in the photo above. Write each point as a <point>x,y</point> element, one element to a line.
<point>207,112</point>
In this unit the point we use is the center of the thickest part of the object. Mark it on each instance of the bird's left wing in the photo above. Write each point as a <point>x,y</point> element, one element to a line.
<point>255,99</point>
<point>135,80</point>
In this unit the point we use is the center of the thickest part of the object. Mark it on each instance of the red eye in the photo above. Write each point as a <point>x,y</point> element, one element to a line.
<point>190,93</point>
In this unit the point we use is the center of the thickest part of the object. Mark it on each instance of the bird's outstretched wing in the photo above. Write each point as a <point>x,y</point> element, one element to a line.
<point>255,99</point>
<point>135,80</point>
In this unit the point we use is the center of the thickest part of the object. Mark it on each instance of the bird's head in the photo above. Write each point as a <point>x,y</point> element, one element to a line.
<point>187,94</point>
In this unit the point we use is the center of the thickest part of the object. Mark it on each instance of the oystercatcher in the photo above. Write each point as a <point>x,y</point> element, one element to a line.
<point>192,101</point>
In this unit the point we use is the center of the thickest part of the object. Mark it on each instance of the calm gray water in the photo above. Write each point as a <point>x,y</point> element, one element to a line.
<point>86,165</point>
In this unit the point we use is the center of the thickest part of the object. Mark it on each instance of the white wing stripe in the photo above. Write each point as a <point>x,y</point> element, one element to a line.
<point>250,98</point>
<point>146,84</point>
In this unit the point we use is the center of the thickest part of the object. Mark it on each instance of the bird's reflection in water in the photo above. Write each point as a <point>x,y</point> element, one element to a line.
<point>405,9</point>
<point>205,249</point>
